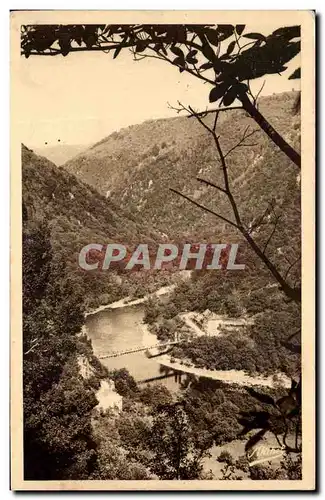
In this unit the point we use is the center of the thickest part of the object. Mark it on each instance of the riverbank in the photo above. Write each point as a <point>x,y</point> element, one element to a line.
<point>229,376</point>
<point>128,301</point>
<point>122,329</point>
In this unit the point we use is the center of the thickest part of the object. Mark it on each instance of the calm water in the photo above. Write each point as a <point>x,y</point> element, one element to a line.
<point>114,330</point>
<point>121,329</point>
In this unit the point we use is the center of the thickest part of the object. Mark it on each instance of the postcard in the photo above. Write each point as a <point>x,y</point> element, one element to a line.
<point>163,250</point>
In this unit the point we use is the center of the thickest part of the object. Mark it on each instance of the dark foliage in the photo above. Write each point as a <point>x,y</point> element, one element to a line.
<point>58,442</point>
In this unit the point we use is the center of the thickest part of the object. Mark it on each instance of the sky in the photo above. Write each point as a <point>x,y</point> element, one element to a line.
<point>82,98</point>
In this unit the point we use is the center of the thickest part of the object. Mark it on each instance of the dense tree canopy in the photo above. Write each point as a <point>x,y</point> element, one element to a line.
<point>58,440</point>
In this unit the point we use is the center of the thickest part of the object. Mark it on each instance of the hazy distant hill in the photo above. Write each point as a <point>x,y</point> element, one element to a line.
<point>61,153</point>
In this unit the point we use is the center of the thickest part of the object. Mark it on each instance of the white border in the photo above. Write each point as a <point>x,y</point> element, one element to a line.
<point>4,183</point>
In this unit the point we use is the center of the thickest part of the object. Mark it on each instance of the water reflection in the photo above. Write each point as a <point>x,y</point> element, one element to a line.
<point>120,329</point>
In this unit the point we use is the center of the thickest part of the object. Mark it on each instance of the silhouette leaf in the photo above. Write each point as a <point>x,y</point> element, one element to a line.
<point>286,404</point>
<point>231,47</point>
<point>208,65</point>
<point>287,32</point>
<point>230,96</point>
<point>255,439</point>
<point>191,54</point>
<point>208,52</point>
<point>177,51</point>
<point>240,28</point>
<point>217,92</point>
<point>296,74</point>
<point>212,36</point>
<point>255,36</point>
<point>263,398</point>
<point>225,31</point>
<point>191,60</point>
<point>141,46</point>
<point>254,420</point>
<point>179,61</point>
<point>117,51</point>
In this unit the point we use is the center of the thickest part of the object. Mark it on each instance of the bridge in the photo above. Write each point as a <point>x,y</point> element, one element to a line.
<point>137,349</point>
<point>175,373</point>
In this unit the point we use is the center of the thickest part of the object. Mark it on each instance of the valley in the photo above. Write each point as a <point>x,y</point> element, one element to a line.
<point>231,325</point>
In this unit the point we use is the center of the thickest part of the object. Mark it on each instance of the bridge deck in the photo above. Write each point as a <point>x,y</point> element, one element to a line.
<point>136,349</point>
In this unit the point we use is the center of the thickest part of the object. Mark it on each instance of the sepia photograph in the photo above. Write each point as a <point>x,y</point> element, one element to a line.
<point>162,250</point>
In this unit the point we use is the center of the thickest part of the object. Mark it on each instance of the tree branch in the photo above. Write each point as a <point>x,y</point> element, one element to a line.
<point>272,233</point>
<point>292,293</point>
<point>240,143</point>
<point>209,111</point>
<point>291,266</point>
<point>121,37</point>
<point>269,130</point>
<point>208,183</point>
<point>204,208</point>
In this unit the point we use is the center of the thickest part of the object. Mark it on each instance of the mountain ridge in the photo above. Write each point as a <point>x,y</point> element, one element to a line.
<point>137,165</point>
<point>76,215</point>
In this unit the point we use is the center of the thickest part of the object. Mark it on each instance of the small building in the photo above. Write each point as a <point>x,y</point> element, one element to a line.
<point>108,397</point>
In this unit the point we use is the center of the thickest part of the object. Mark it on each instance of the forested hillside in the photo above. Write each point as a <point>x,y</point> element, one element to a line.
<point>156,435</point>
<point>78,215</point>
<point>137,165</point>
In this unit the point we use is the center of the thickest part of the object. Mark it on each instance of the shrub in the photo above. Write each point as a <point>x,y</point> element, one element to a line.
<point>225,457</point>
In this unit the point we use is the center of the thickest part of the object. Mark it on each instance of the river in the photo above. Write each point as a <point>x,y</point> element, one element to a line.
<point>119,327</point>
